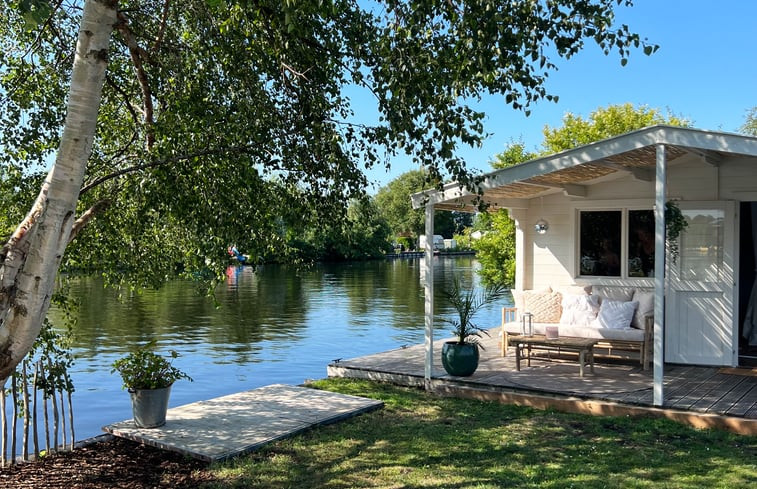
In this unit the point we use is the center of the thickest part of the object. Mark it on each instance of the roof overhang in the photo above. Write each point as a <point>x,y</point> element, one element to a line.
<point>571,171</point>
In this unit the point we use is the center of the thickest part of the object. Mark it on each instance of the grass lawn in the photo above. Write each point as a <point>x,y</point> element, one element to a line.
<point>419,440</point>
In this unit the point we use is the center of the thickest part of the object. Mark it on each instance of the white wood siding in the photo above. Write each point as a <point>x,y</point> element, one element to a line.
<point>550,259</point>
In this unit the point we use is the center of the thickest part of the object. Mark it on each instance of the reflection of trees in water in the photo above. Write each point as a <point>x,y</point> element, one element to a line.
<point>272,307</point>
<point>392,291</point>
<point>262,305</point>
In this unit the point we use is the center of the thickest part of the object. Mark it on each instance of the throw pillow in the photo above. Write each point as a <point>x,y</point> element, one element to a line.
<point>518,300</point>
<point>574,289</point>
<point>545,306</point>
<point>646,307</point>
<point>622,294</point>
<point>579,310</point>
<point>615,314</point>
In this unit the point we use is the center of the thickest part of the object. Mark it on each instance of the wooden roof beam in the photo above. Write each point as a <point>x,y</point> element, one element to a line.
<point>569,189</point>
<point>709,157</point>
<point>638,173</point>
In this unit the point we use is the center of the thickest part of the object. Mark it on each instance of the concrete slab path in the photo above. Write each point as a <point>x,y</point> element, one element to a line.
<point>231,425</point>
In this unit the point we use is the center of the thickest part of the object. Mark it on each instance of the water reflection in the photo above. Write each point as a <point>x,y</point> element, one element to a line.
<point>276,324</point>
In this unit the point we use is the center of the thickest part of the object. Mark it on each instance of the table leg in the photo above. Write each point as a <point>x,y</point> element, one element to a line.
<point>517,356</point>
<point>581,362</point>
<point>529,355</point>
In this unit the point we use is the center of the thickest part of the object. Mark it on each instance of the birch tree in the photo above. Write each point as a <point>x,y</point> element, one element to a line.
<point>189,126</point>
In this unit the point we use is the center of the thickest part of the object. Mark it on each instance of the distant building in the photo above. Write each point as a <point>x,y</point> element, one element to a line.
<point>438,242</point>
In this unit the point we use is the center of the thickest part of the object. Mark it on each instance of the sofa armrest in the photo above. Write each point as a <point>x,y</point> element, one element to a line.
<point>509,315</point>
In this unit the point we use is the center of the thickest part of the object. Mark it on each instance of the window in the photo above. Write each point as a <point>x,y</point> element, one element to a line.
<point>600,243</point>
<point>640,244</point>
<point>602,251</point>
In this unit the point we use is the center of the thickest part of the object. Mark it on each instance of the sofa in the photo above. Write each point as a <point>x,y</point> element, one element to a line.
<point>619,317</point>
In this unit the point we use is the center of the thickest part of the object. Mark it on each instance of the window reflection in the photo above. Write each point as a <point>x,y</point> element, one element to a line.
<point>641,243</point>
<point>702,245</point>
<point>600,243</point>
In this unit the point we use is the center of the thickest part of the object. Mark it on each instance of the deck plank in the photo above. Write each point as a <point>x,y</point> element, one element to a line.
<point>745,404</point>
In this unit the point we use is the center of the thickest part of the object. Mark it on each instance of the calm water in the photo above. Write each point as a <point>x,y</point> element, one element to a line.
<point>276,325</point>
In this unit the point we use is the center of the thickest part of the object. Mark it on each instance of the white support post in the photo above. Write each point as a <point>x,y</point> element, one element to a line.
<point>519,216</point>
<point>428,279</point>
<point>659,276</point>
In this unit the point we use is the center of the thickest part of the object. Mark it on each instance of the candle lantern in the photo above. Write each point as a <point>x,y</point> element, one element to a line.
<point>527,324</point>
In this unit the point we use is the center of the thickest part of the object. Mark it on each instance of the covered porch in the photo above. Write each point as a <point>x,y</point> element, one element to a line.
<point>701,302</point>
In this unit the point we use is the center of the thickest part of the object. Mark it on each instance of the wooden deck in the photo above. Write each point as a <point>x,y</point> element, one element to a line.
<point>701,396</point>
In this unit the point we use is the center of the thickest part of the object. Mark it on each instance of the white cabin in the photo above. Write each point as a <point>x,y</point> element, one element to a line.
<point>600,211</point>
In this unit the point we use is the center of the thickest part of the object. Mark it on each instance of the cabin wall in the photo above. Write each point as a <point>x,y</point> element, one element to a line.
<point>551,259</point>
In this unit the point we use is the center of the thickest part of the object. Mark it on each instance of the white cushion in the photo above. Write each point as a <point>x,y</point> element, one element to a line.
<point>646,307</point>
<point>623,294</point>
<point>573,289</point>
<point>579,310</point>
<point>615,314</point>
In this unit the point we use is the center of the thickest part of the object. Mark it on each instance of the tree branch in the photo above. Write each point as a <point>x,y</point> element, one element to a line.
<point>154,164</point>
<point>162,29</point>
<point>136,53</point>
<point>88,215</point>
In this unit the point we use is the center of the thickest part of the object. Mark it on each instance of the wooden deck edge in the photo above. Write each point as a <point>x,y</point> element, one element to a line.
<point>740,426</point>
<point>407,380</point>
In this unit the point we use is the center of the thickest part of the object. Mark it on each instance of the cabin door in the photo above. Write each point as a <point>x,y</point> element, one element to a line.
<point>700,322</point>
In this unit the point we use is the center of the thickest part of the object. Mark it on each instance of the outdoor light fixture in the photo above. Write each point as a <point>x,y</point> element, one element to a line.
<point>541,225</point>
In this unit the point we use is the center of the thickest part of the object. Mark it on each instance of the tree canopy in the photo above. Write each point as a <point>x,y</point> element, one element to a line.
<point>220,119</point>
<point>750,124</point>
<point>575,130</point>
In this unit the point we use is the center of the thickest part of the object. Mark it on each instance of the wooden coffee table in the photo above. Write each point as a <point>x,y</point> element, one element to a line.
<point>583,346</point>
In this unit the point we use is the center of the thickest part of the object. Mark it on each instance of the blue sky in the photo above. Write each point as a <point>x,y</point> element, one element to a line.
<point>705,71</point>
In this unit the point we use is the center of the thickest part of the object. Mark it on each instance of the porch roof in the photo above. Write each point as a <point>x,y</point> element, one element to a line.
<point>571,171</point>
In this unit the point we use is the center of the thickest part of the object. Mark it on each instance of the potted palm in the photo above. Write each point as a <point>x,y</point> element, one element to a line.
<point>460,356</point>
<point>148,377</point>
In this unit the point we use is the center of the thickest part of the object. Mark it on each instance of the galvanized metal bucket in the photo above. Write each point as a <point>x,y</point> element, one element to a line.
<point>150,406</point>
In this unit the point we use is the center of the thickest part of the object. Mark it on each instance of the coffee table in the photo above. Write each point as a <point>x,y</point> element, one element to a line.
<point>583,346</point>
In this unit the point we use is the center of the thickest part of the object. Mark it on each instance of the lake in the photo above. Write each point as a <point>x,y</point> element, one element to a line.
<point>275,324</point>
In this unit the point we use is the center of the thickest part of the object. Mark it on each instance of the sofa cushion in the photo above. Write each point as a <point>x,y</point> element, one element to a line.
<point>545,306</point>
<point>627,334</point>
<point>615,314</point>
<point>573,289</point>
<point>646,307</point>
<point>605,292</point>
<point>579,310</point>
<point>518,298</point>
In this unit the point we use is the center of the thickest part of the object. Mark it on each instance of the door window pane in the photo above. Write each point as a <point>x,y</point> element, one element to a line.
<point>600,243</point>
<point>701,249</point>
<point>641,243</point>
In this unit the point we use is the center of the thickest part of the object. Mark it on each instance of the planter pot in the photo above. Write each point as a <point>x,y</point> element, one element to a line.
<point>150,406</point>
<point>458,359</point>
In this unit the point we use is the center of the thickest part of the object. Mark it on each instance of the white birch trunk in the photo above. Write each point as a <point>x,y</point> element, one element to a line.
<point>33,255</point>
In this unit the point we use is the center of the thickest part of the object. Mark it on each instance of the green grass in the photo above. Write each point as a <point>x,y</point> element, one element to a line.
<point>422,441</point>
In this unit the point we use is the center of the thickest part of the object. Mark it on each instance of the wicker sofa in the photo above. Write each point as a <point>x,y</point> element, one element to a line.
<point>620,318</point>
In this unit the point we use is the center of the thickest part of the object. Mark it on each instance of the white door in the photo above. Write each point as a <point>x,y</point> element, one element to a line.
<point>700,324</point>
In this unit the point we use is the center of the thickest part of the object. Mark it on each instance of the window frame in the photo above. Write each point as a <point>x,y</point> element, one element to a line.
<point>600,206</point>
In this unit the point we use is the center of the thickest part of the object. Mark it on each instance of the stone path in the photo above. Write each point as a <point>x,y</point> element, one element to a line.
<point>228,426</point>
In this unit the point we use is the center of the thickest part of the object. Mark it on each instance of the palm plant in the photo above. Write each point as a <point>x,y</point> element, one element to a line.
<point>467,302</point>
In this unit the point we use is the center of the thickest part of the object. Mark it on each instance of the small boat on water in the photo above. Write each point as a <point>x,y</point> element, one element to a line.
<point>236,255</point>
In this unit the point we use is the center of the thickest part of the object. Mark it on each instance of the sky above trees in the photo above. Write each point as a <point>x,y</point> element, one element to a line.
<point>702,72</point>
